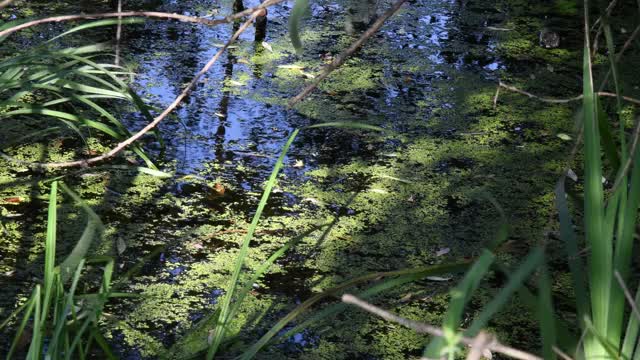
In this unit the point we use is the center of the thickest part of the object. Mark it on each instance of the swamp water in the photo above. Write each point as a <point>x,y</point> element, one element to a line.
<point>407,198</point>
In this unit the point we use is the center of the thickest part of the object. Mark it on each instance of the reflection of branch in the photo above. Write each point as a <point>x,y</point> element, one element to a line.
<point>121,146</point>
<point>560,101</point>
<point>118,33</point>
<point>423,328</point>
<point>149,14</point>
<point>340,59</point>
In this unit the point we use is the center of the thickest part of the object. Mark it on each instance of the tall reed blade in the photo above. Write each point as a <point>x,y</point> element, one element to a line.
<point>233,283</point>
<point>600,259</point>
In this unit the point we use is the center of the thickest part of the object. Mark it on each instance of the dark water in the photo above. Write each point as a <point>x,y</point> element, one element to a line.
<point>231,129</point>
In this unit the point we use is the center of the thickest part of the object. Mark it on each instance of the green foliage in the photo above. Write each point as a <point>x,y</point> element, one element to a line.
<point>67,85</point>
<point>56,316</point>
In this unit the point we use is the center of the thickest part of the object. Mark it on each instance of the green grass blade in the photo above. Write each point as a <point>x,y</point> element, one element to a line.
<point>609,348</point>
<point>546,314</point>
<point>600,260</point>
<point>569,237</point>
<point>93,228</point>
<point>328,312</point>
<point>248,286</point>
<point>102,342</point>
<point>528,266</point>
<point>631,334</point>
<point>295,19</point>
<point>50,251</point>
<point>61,318</point>
<point>608,35</point>
<point>29,307</point>
<point>422,272</point>
<point>460,295</point>
<point>38,330</point>
<point>226,303</point>
<point>606,137</point>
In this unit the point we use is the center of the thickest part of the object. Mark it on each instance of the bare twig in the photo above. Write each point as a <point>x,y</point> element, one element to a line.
<point>627,164</point>
<point>607,11</point>
<point>539,98</point>
<point>118,34</point>
<point>121,146</point>
<point>562,101</point>
<point>480,346</point>
<point>599,21</point>
<point>495,98</point>
<point>342,57</point>
<point>627,294</point>
<point>423,328</point>
<point>149,14</point>
<point>561,353</point>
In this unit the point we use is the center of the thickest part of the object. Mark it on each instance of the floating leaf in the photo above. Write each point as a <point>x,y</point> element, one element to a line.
<point>219,189</point>
<point>443,251</point>
<point>12,200</point>
<point>564,136</point>
<point>267,46</point>
<point>298,164</point>
<point>378,191</point>
<point>121,245</point>
<point>291,67</point>
<point>308,75</point>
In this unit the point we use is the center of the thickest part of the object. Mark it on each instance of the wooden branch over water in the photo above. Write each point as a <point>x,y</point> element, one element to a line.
<point>178,100</point>
<point>148,14</point>
<point>484,339</point>
<point>343,56</point>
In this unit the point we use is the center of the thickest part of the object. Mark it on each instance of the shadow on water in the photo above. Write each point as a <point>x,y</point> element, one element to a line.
<point>395,201</point>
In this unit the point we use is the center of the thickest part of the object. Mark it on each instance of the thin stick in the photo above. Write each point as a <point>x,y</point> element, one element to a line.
<point>563,101</point>
<point>626,45</point>
<point>627,164</point>
<point>607,13</point>
<point>479,346</point>
<point>118,34</point>
<point>149,14</point>
<point>423,328</point>
<point>627,294</point>
<point>342,57</point>
<point>539,98</point>
<point>561,353</point>
<point>121,146</point>
<point>495,98</point>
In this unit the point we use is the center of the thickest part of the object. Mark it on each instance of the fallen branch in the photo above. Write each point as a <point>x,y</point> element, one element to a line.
<point>559,101</point>
<point>122,145</point>
<point>148,14</point>
<point>343,56</point>
<point>493,344</point>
